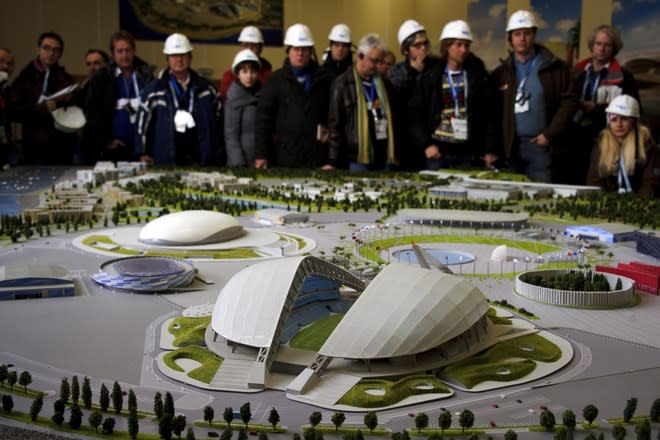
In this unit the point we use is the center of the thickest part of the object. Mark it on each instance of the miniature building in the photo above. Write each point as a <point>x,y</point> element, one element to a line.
<point>463,218</point>
<point>35,281</point>
<point>275,216</point>
<point>646,276</point>
<point>605,232</point>
<point>191,228</point>
<point>145,274</point>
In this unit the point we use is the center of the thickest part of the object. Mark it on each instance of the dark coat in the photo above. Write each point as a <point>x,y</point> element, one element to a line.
<point>155,120</point>
<point>482,126</point>
<point>559,93</point>
<point>240,117</point>
<point>288,119</point>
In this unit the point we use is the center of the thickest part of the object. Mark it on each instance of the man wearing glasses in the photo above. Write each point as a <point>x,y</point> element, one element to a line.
<point>30,104</point>
<point>360,116</point>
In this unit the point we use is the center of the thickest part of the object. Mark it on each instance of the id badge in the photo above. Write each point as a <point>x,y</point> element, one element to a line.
<point>183,121</point>
<point>460,129</point>
<point>381,129</point>
<point>522,103</point>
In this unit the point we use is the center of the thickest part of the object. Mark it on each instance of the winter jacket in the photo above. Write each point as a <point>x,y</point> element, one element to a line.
<point>229,77</point>
<point>240,116</point>
<point>428,106</point>
<point>155,120</point>
<point>288,119</point>
<point>558,90</point>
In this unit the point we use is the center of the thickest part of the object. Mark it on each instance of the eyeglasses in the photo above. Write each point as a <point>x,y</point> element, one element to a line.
<point>376,60</point>
<point>420,44</point>
<point>55,50</point>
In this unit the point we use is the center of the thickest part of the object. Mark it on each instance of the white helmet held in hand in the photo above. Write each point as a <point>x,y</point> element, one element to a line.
<point>69,119</point>
<point>251,34</point>
<point>298,35</point>
<point>408,28</point>
<point>177,44</point>
<point>521,20</point>
<point>245,55</point>
<point>624,105</point>
<point>456,29</point>
<point>340,33</point>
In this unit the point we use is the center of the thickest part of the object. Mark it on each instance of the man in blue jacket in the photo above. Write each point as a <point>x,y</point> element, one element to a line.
<point>177,120</point>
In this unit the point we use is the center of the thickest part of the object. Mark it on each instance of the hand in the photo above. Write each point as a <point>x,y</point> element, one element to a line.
<point>432,152</point>
<point>114,144</point>
<point>51,105</point>
<point>327,167</point>
<point>588,106</point>
<point>261,163</point>
<point>146,159</point>
<point>490,159</point>
<point>418,63</point>
<point>541,140</point>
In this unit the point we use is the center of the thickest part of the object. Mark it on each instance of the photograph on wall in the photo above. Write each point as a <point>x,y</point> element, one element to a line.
<point>487,19</point>
<point>638,22</point>
<point>205,21</point>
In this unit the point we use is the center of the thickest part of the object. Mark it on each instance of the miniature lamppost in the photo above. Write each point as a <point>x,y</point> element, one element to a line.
<point>460,264</point>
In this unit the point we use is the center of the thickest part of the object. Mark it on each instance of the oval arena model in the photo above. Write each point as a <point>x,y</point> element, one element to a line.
<point>187,228</point>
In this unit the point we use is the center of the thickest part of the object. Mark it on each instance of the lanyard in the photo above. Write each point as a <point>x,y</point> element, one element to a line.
<point>623,177</point>
<point>133,80</point>
<point>178,91</point>
<point>44,87</point>
<point>371,94</point>
<point>592,79</point>
<point>462,77</point>
<point>522,79</point>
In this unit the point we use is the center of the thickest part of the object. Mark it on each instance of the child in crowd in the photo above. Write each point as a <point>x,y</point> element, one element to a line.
<point>241,110</point>
<point>625,157</point>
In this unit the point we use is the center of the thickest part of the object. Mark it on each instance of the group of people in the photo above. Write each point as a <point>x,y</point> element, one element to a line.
<point>355,108</point>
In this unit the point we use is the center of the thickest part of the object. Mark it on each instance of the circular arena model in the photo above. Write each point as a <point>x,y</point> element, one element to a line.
<point>145,274</point>
<point>187,228</point>
<point>443,256</point>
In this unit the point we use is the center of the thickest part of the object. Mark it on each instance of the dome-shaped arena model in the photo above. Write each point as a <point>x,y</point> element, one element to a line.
<point>187,228</point>
<point>145,274</point>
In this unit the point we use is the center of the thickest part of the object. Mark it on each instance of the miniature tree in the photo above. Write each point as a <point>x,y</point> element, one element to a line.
<point>133,423</point>
<point>629,410</point>
<point>371,421</point>
<point>338,419</point>
<point>547,420</point>
<point>421,421</point>
<point>654,414</point>
<point>466,419</point>
<point>190,434</point>
<point>104,398</point>
<point>75,389</point>
<point>315,418</point>
<point>619,432</point>
<point>165,426</point>
<point>590,436</point>
<point>590,412</point>
<point>262,436</point>
<point>7,403</point>
<point>35,407</point>
<point>242,434</point>
<point>228,415</point>
<point>246,413</point>
<point>178,424</point>
<point>643,430</point>
<point>59,406</point>
<point>12,378</point>
<point>25,379</point>
<point>108,425</point>
<point>209,413</point>
<point>132,400</point>
<point>444,421</point>
<point>226,434</point>
<point>168,405</point>
<point>568,419</point>
<point>117,397</point>
<point>58,418</point>
<point>435,436</point>
<point>4,374</point>
<point>75,417</point>
<point>95,419</point>
<point>510,435</point>
<point>158,405</point>
<point>273,418</point>
<point>86,393</point>
<point>561,433</point>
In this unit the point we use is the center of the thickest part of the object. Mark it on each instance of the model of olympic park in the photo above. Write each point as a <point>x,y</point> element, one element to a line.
<point>327,336</point>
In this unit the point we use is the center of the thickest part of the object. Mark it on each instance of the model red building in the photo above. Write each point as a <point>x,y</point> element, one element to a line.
<point>646,276</point>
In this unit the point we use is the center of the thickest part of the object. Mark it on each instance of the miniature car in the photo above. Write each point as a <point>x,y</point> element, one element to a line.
<point>492,424</point>
<point>543,407</point>
<point>495,405</point>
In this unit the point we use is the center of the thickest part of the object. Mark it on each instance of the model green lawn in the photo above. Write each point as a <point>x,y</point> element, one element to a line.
<point>505,361</point>
<point>314,335</point>
<point>347,428</point>
<point>237,424</point>
<point>378,393</point>
<point>208,360</point>
<point>189,331</point>
<point>497,320</point>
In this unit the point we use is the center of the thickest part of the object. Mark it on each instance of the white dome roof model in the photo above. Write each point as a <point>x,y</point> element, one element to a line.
<point>499,253</point>
<point>406,310</point>
<point>191,228</point>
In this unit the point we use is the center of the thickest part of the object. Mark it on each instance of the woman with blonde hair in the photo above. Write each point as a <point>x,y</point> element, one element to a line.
<point>625,158</point>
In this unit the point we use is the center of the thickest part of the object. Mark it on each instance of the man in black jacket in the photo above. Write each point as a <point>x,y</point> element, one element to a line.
<point>291,126</point>
<point>112,103</point>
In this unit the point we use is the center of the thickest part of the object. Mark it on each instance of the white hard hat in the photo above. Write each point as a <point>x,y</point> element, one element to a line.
<point>251,34</point>
<point>340,33</point>
<point>177,44</point>
<point>408,28</point>
<point>69,119</point>
<point>521,20</point>
<point>624,105</point>
<point>298,35</point>
<point>245,55</point>
<point>456,29</point>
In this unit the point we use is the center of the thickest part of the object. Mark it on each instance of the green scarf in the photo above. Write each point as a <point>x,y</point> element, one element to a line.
<point>365,147</point>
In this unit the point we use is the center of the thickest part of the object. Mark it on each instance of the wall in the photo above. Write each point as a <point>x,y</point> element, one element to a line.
<point>89,23</point>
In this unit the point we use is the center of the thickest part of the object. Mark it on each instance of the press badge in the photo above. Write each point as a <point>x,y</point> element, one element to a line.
<point>183,121</point>
<point>522,103</point>
<point>460,129</point>
<point>381,129</point>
